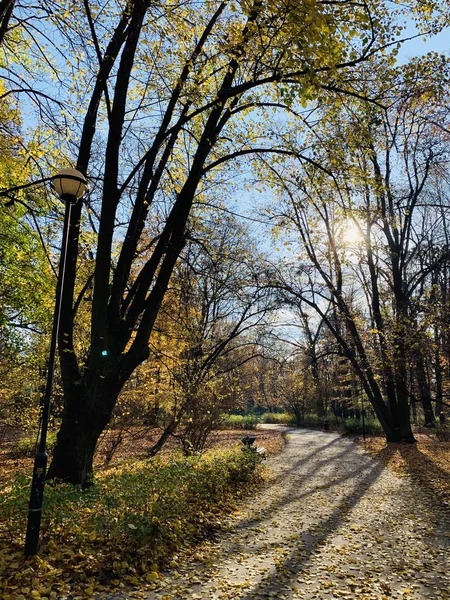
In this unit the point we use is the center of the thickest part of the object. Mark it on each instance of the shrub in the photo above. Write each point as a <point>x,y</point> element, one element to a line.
<point>442,433</point>
<point>355,427</point>
<point>312,420</point>
<point>278,418</point>
<point>128,523</point>
<point>239,422</point>
<point>25,447</point>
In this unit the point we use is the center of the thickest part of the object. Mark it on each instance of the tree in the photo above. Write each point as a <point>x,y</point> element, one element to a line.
<point>214,315</point>
<point>169,85</point>
<point>6,9</point>
<point>26,279</point>
<point>378,184</point>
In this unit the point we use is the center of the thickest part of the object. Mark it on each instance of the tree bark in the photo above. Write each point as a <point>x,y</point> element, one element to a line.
<point>425,392</point>
<point>401,419</point>
<point>168,431</point>
<point>87,411</point>
<point>6,9</point>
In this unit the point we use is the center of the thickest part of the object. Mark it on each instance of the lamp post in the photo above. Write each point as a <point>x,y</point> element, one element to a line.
<point>70,185</point>
<point>362,413</point>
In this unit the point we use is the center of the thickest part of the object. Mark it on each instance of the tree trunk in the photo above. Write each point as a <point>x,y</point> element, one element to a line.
<point>400,412</point>
<point>425,392</point>
<point>320,403</point>
<point>88,407</point>
<point>438,371</point>
<point>299,414</point>
<point>168,431</point>
<point>74,453</point>
<point>87,412</point>
<point>6,9</point>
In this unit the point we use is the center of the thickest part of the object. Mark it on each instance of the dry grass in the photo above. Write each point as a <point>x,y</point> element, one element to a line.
<point>427,462</point>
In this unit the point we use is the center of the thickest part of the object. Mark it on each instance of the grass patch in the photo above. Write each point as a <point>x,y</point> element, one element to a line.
<point>123,529</point>
<point>239,422</point>
<point>278,418</point>
<point>26,446</point>
<point>355,426</point>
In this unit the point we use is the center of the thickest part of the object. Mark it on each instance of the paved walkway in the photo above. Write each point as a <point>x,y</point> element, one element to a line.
<point>335,524</point>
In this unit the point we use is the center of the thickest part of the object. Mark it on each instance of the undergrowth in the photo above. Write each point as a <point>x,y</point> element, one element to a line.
<point>239,422</point>
<point>123,529</point>
<point>278,418</point>
<point>26,446</point>
<point>352,426</point>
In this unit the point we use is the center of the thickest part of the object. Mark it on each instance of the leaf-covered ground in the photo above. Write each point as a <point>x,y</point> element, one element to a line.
<point>141,515</point>
<point>135,444</point>
<point>335,523</point>
<point>427,462</point>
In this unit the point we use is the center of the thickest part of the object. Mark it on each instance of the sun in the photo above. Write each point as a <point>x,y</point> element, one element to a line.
<point>351,234</point>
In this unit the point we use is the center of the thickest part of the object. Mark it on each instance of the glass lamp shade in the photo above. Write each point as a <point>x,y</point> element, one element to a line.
<point>70,183</point>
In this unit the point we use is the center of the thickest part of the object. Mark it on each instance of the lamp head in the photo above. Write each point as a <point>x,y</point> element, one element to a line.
<point>70,184</point>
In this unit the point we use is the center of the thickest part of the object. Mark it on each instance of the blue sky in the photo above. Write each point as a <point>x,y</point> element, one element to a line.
<point>419,46</point>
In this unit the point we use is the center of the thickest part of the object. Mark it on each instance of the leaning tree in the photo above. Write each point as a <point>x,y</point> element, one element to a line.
<point>363,224</point>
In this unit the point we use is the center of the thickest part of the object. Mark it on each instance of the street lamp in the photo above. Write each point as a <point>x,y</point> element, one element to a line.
<point>70,185</point>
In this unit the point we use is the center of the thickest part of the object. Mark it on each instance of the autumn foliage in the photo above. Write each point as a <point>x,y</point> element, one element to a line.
<point>137,517</point>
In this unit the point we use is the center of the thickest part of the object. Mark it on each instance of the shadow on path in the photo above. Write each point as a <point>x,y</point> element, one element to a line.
<point>433,480</point>
<point>295,489</point>
<point>340,480</point>
<point>318,534</point>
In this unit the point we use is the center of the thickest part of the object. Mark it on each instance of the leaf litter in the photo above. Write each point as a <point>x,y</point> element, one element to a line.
<point>332,524</point>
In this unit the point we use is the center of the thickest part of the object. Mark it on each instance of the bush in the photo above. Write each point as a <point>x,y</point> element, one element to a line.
<point>313,421</point>
<point>278,418</point>
<point>355,427</point>
<point>25,447</point>
<point>442,433</point>
<point>127,524</point>
<point>239,422</point>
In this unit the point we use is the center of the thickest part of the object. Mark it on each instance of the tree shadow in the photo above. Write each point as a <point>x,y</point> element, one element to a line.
<point>310,541</point>
<point>317,535</point>
<point>288,497</point>
<point>408,459</point>
<point>307,458</point>
<point>432,479</point>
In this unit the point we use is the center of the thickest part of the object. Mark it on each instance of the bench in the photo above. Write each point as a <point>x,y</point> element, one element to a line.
<point>248,445</point>
<point>261,451</point>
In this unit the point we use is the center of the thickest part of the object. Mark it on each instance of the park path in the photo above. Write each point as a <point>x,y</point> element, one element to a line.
<point>334,524</point>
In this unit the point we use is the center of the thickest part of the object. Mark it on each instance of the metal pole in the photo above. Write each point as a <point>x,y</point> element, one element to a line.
<point>40,459</point>
<point>362,413</point>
